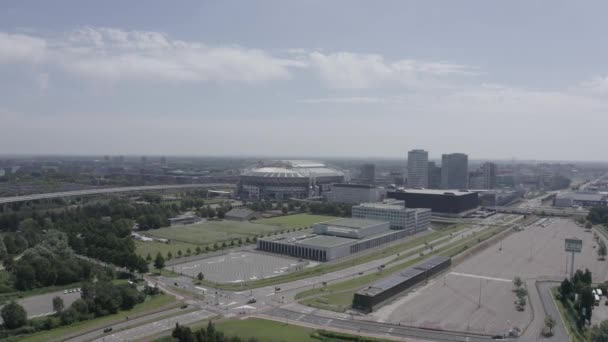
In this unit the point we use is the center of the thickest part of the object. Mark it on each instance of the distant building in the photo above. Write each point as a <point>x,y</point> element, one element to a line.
<point>417,169</point>
<point>441,202</point>
<point>355,193</point>
<point>395,212</point>
<point>434,176</point>
<point>332,239</point>
<point>367,173</point>
<point>187,218</point>
<point>489,175</point>
<point>476,180</point>
<point>240,214</point>
<point>581,199</point>
<point>493,198</point>
<point>455,171</point>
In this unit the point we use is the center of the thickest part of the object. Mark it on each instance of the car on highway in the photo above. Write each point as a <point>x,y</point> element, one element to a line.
<point>251,300</point>
<point>107,330</point>
<point>185,306</point>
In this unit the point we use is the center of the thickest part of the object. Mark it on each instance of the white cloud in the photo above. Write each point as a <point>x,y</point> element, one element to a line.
<point>353,71</point>
<point>21,48</point>
<point>115,55</point>
<point>42,81</point>
<point>597,85</point>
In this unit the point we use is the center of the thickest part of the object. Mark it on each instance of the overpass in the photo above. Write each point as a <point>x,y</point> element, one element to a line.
<point>105,191</point>
<point>542,211</point>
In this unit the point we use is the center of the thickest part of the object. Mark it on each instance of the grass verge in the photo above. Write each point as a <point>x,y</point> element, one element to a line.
<point>338,297</point>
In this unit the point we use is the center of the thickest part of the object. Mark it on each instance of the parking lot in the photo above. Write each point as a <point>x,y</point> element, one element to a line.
<point>476,295</point>
<point>239,267</point>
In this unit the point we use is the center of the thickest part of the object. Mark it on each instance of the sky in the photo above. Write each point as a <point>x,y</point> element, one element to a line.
<point>496,80</point>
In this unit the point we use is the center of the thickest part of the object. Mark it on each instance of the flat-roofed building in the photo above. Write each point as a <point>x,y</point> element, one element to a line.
<point>441,202</point>
<point>417,169</point>
<point>395,212</point>
<point>355,193</point>
<point>332,239</point>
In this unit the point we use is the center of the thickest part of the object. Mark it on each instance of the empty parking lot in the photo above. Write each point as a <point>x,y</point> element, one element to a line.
<point>239,267</point>
<point>476,295</point>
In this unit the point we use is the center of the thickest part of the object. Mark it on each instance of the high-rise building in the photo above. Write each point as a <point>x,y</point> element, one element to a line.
<point>368,173</point>
<point>489,175</point>
<point>417,169</point>
<point>455,171</point>
<point>434,176</point>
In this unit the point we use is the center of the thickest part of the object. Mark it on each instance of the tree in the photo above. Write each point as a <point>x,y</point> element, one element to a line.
<point>159,262</point>
<point>198,250</point>
<point>188,251</point>
<point>148,258</point>
<point>517,282</point>
<point>565,289</point>
<point>550,323</point>
<point>58,304</point>
<point>169,255</point>
<point>601,250</point>
<point>588,225</point>
<point>179,253</point>
<point>200,276</point>
<point>599,333</point>
<point>284,210</point>
<point>14,315</point>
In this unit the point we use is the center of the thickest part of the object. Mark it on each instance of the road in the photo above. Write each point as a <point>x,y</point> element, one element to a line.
<point>90,192</point>
<point>391,330</point>
<point>144,326</point>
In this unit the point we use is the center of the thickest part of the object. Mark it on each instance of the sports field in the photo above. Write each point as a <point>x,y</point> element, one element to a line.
<point>210,232</point>
<point>296,221</point>
<point>144,248</point>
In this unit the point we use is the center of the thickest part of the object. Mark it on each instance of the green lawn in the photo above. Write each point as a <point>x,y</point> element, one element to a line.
<point>296,221</point>
<point>145,248</point>
<point>210,232</point>
<point>265,330</point>
<point>55,334</point>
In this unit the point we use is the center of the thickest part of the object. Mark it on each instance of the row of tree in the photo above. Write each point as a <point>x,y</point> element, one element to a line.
<point>208,334</point>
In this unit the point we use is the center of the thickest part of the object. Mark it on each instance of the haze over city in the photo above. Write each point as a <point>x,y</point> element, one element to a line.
<point>518,79</point>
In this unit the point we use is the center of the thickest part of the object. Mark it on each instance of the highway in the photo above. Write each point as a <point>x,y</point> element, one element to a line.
<point>103,191</point>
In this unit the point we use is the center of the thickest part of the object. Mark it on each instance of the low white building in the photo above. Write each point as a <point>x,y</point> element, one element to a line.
<point>395,212</point>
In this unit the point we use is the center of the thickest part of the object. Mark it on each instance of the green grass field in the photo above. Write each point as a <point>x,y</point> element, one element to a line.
<point>210,232</point>
<point>58,333</point>
<point>296,221</point>
<point>265,330</point>
<point>145,248</point>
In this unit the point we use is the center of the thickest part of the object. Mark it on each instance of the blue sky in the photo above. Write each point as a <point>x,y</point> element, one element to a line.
<point>516,79</point>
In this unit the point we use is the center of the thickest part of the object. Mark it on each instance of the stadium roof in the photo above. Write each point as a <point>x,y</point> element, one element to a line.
<point>294,169</point>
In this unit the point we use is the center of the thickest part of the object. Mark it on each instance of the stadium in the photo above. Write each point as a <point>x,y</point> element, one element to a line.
<point>288,179</point>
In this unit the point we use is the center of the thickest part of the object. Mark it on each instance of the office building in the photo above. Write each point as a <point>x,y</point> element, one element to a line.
<point>367,173</point>
<point>455,171</point>
<point>441,202</point>
<point>489,175</point>
<point>332,239</point>
<point>355,193</point>
<point>417,169</point>
<point>395,212</point>
<point>434,176</point>
<point>581,199</point>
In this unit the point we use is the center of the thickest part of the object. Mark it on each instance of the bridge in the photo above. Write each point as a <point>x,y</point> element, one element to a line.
<point>105,191</point>
<point>542,211</point>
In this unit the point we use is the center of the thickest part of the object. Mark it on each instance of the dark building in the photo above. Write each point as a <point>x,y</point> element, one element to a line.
<point>434,176</point>
<point>450,202</point>
<point>455,171</point>
<point>368,173</point>
<point>381,291</point>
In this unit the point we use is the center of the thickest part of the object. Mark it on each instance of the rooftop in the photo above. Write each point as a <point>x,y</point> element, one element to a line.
<point>353,223</point>
<point>583,196</point>
<point>436,192</point>
<point>380,205</point>
<point>356,186</point>
<point>325,241</point>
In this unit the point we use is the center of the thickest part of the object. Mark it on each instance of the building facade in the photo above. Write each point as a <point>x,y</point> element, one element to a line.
<point>434,176</point>
<point>417,169</point>
<point>367,173</point>
<point>455,171</point>
<point>355,193</point>
<point>332,239</point>
<point>441,202</point>
<point>395,212</point>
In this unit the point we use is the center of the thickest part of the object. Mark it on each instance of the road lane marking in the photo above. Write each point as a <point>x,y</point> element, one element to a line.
<point>480,277</point>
